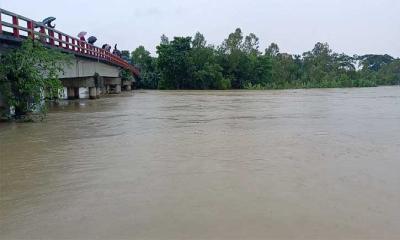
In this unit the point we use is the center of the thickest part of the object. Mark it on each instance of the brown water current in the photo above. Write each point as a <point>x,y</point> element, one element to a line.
<point>295,164</point>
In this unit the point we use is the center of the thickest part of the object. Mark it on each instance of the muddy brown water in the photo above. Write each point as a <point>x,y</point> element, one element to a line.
<point>295,164</point>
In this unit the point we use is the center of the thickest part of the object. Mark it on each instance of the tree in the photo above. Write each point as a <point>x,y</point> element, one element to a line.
<point>272,50</point>
<point>149,76</point>
<point>164,39</point>
<point>199,41</point>
<point>389,74</point>
<point>174,63</point>
<point>374,62</point>
<point>232,59</point>
<point>233,42</point>
<point>189,64</point>
<point>261,70</point>
<point>125,54</point>
<point>251,44</point>
<point>318,63</point>
<point>286,70</point>
<point>29,74</point>
<point>344,62</point>
<point>207,73</point>
<point>242,62</point>
<point>210,77</point>
<point>140,57</point>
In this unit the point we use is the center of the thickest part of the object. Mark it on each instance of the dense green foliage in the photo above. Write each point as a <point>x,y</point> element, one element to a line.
<point>28,75</point>
<point>147,64</point>
<point>189,63</point>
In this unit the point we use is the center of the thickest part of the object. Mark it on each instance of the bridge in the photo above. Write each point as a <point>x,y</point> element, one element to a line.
<point>92,67</point>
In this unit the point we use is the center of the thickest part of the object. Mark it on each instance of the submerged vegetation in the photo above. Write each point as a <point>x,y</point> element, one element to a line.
<point>28,76</point>
<point>238,63</point>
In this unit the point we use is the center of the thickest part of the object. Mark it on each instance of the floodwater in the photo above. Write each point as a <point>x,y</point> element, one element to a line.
<point>296,164</point>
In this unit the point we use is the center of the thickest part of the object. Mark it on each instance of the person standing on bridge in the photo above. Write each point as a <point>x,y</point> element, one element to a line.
<point>106,47</point>
<point>116,51</point>
<point>81,36</point>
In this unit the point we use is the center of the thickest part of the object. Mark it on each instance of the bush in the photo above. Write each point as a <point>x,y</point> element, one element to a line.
<point>28,74</point>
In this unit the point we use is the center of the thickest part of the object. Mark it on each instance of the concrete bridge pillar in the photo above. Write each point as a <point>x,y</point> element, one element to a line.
<point>113,85</point>
<point>127,85</point>
<point>98,92</point>
<point>118,88</point>
<point>92,92</point>
<point>96,84</point>
<point>76,90</point>
<point>73,85</point>
<point>72,93</point>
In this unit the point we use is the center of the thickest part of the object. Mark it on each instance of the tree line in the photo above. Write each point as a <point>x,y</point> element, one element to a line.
<point>238,63</point>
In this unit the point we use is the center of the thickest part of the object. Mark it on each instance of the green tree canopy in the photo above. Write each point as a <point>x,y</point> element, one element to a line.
<point>174,63</point>
<point>189,63</point>
<point>149,75</point>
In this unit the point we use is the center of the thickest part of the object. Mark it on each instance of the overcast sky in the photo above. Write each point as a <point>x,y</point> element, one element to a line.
<point>350,26</point>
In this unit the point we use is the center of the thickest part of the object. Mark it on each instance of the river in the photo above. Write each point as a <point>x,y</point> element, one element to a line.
<point>293,164</point>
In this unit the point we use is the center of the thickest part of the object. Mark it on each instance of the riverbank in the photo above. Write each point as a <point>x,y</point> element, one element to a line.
<point>321,85</point>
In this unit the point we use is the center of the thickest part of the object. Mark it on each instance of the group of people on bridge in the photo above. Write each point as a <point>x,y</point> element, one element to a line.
<point>91,40</point>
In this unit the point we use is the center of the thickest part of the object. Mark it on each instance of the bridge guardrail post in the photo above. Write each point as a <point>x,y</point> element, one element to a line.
<point>43,37</point>
<point>80,48</point>
<point>1,25</point>
<point>15,28</point>
<point>73,45</point>
<point>31,33</point>
<point>60,44</point>
<point>51,34</point>
<point>67,44</point>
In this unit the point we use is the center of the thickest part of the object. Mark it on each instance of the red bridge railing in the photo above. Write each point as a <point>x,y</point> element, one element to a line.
<point>20,27</point>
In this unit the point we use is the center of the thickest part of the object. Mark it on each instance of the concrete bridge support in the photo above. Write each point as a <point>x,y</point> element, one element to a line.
<point>113,85</point>
<point>127,85</point>
<point>93,93</point>
<point>73,93</point>
<point>73,84</point>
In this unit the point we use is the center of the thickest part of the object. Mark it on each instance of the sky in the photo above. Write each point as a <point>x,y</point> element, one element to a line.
<point>349,26</point>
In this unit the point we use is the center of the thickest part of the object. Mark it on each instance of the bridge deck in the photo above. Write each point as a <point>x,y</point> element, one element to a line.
<point>19,28</point>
